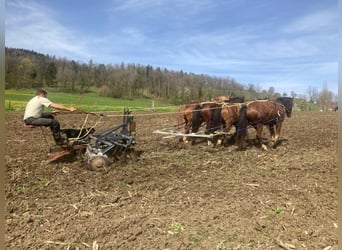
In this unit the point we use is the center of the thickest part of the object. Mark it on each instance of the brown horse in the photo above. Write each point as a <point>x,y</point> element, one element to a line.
<point>217,116</point>
<point>230,114</point>
<point>185,117</point>
<point>288,105</point>
<point>260,113</point>
<point>210,113</point>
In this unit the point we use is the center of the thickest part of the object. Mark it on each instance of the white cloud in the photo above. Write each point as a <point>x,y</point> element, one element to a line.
<point>32,26</point>
<point>189,6</point>
<point>313,22</point>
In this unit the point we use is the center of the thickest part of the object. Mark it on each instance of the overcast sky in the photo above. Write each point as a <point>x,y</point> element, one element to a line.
<point>287,44</point>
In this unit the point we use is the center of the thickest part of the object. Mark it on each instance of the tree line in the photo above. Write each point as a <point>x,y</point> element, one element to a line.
<point>30,69</point>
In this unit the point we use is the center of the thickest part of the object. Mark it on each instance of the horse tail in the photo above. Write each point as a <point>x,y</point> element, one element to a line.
<point>242,126</point>
<point>196,119</point>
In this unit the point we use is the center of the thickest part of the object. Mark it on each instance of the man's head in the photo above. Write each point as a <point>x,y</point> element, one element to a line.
<point>42,92</point>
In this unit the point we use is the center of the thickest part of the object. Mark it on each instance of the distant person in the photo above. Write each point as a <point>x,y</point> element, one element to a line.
<point>34,114</point>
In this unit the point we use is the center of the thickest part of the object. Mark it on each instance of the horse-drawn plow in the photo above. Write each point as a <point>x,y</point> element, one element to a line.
<point>97,148</point>
<point>218,120</point>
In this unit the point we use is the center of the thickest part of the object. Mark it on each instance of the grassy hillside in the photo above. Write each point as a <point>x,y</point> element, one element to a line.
<point>15,100</point>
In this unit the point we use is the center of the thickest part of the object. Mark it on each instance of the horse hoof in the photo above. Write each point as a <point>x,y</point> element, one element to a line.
<point>264,147</point>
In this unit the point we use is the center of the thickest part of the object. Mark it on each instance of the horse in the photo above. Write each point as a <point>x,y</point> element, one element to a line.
<point>287,102</point>
<point>230,114</point>
<point>217,116</point>
<point>260,113</point>
<point>185,113</point>
<point>221,113</point>
<point>208,112</point>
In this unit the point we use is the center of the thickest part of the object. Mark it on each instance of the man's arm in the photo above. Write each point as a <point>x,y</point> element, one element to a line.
<point>60,106</point>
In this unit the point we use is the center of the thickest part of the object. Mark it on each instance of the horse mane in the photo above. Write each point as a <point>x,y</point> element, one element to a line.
<point>238,99</point>
<point>285,99</point>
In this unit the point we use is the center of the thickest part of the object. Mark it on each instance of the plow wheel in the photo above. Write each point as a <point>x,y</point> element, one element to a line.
<point>98,163</point>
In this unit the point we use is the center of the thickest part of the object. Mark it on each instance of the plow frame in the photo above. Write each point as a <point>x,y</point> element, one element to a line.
<point>114,139</point>
<point>99,146</point>
<point>170,134</point>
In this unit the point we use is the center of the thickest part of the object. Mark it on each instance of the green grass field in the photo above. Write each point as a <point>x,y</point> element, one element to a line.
<point>15,100</point>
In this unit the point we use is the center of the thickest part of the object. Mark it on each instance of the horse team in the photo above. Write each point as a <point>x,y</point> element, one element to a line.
<point>223,113</point>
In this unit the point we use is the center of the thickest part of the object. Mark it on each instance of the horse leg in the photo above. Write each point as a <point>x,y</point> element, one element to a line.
<point>214,140</point>
<point>208,130</point>
<point>277,134</point>
<point>228,127</point>
<point>271,129</point>
<point>210,141</point>
<point>259,129</point>
<point>186,131</point>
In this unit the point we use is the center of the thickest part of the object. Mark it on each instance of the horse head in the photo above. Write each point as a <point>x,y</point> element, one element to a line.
<point>288,104</point>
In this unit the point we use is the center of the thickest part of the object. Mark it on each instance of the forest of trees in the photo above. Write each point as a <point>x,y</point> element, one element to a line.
<point>29,69</point>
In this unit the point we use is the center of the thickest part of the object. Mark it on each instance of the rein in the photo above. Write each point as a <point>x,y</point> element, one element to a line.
<point>83,126</point>
<point>76,113</point>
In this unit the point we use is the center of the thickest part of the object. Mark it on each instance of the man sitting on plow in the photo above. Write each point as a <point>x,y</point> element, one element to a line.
<point>34,115</point>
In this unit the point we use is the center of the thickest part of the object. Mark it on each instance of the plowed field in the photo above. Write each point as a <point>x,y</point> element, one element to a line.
<point>169,195</point>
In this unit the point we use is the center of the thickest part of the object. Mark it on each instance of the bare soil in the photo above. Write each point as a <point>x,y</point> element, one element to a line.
<point>165,194</point>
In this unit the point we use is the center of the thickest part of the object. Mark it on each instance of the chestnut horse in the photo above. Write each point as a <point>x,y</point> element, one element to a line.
<point>210,113</point>
<point>260,113</point>
<point>185,113</point>
<point>217,116</point>
<point>288,104</point>
<point>230,115</point>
